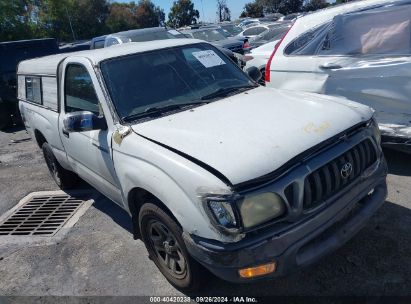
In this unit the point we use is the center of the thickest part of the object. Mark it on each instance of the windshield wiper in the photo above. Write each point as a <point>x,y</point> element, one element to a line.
<point>225,91</point>
<point>158,111</point>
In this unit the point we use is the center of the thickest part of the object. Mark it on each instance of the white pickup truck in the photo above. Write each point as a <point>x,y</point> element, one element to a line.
<point>215,171</point>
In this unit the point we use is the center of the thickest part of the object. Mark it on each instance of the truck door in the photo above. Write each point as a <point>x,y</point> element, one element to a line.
<point>89,152</point>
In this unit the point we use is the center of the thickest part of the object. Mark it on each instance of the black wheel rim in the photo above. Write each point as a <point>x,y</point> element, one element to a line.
<point>51,164</point>
<point>167,249</point>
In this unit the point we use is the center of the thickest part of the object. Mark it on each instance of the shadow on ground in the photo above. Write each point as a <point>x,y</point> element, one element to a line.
<point>374,262</point>
<point>13,129</point>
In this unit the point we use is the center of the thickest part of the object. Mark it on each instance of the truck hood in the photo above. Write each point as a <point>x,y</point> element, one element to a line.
<point>253,133</point>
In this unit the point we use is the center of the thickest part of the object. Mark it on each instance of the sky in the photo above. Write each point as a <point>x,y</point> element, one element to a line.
<point>209,7</point>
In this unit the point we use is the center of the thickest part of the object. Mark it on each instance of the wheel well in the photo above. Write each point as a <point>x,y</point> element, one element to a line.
<point>136,199</point>
<point>40,139</point>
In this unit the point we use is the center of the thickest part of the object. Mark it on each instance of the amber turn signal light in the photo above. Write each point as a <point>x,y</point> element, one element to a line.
<point>248,273</point>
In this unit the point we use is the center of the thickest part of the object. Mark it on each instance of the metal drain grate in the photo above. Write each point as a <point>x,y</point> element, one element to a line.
<point>41,215</point>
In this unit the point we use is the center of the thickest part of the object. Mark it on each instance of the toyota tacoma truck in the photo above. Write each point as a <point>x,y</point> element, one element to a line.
<point>215,171</point>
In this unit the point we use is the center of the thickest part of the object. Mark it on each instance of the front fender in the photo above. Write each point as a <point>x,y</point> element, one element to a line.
<point>171,178</point>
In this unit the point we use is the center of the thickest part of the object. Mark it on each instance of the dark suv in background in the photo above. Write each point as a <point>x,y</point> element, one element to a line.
<point>11,53</point>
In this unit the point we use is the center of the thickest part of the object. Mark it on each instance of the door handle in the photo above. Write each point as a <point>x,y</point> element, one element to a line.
<point>330,66</point>
<point>65,133</point>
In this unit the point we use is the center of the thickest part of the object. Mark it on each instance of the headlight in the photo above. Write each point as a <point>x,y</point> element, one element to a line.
<point>260,208</point>
<point>223,213</point>
<point>375,130</point>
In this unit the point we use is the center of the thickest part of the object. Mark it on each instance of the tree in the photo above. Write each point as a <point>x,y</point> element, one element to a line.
<point>314,5</point>
<point>69,20</point>
<point>126,16</point>
<point>269,6</point>
<point>17,19</point>
<point>149,15</point>
<point>290,6</point>
<point>182,13</point>
<point>223,12</point>
<point>253,10</point>
<point>122,17</point>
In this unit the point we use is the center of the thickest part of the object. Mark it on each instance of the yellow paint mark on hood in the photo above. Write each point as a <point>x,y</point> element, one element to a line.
<point>317,128</point>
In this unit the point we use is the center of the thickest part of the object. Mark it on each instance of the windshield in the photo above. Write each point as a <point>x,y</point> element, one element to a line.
<point>181,75</point>
<point>209,35</point>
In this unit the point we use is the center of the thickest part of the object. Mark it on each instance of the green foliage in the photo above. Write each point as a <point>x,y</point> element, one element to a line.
<point>290,6</point>
<point>314,5</point>
<point>259,8</point>
<point>253,10</point>
<point>269,6</point>
<point>182,13</point>
<point>16,20</point>
<point>69,20</point>
<point>126,16</point>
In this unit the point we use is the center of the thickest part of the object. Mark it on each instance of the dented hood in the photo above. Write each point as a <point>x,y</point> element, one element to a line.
<point>251,134</point>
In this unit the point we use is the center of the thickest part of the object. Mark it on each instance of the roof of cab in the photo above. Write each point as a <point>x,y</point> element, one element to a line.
<point>48,65</point>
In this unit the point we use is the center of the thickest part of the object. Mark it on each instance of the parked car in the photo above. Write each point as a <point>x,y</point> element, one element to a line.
<point>152,34</point>
<point>98,42</point>
<point>232,28</point>
<point>247,22</point>
<point>214,170</point>
<point>11,53</point>
<point>273,33</point>
<point>256,30</point>
<point>74,46</point>
<point>272,17</point>
<point>358,50</point>
<point>290,17</point>
<point>214,36</point>
<point>140,35</point>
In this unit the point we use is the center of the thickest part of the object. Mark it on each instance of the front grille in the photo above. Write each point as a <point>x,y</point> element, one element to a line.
<point>328,180</point>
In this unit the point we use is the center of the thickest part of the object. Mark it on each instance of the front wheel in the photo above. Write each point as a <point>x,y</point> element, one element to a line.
<point>64,179</point>
<point>162,237</point>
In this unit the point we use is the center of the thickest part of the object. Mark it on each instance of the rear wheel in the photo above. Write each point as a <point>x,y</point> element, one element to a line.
<point>64,179</point>
<point>162,237</point>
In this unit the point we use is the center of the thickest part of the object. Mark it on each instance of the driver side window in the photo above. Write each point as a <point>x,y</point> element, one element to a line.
<point>79,91</point>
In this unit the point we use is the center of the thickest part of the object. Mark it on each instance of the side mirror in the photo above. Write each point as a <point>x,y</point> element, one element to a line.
<point>254,73</point>
<point>83,121</point>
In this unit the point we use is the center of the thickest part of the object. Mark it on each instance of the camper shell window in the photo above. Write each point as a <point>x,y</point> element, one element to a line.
<point>33,89</point>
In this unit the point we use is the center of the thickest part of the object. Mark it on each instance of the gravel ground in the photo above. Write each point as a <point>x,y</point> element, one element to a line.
<point>98,256</point>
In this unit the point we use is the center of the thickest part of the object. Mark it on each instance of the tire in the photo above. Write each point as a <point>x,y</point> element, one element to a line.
<point>162,237</point>
<point>64,179</point>
<point>5,117</point>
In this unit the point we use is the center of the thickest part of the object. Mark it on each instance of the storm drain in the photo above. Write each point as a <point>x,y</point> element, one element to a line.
<point>41,215</point>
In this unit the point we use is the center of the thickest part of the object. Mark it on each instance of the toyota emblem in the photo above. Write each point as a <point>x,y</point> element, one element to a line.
<point>346,170</point>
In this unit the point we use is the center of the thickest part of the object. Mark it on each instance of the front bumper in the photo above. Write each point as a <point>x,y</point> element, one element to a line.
<point>303,243</point>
